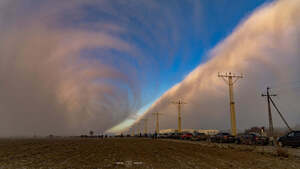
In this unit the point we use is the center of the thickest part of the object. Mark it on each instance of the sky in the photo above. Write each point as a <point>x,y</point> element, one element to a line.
<point>71,67</point>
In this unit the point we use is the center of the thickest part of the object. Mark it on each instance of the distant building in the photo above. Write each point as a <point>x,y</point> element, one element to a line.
<point>207,132</point>
<point>167,131</point>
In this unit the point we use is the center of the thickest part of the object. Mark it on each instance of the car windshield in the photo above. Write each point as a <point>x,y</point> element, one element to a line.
<point>297,133</point>
<point>185,133</point>
<point>255,134</point>
<point>291,134</point>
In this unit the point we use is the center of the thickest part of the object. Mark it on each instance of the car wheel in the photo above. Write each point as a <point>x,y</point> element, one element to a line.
<point>280,144</point>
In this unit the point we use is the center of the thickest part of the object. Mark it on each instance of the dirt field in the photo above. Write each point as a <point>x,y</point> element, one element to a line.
<point>131,153</point>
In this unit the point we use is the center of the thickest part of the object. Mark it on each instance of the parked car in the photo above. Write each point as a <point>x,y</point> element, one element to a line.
<point>252,138</point>
<point>223,138</point>
<point>290,139</point>
<point>163,135</point>
<point>199,137</point>
<point>186,136</point>
<point>174,136</point>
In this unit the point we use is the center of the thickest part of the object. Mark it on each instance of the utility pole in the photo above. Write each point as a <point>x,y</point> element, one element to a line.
<point>156,114</point>
<point>231,79</point>
<point>179,103</point>
<point>270,100</point>
<point>132,131</point>
<point>145,125</point>
<point>268,95</point>
<point>140,129</point>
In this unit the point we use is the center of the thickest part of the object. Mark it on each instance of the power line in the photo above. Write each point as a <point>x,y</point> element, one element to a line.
<point>287,104</point>
<point>288,89</point>
<point>279,85</point>
<point>287,125</point>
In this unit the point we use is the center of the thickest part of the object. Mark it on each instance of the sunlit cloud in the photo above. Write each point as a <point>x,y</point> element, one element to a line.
<point>264,47</point>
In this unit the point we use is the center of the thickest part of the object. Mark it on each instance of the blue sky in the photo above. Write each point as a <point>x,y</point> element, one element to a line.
<point>198,29</point>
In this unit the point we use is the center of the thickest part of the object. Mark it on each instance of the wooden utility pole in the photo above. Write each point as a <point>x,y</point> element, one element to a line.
<point>270,100</point>
<point>156,114</point>
<point>268,95</point>
<point>231,79</point>
<point>179,103</point>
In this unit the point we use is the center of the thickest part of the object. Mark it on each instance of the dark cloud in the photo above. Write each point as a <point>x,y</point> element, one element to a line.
<point>69,67</point>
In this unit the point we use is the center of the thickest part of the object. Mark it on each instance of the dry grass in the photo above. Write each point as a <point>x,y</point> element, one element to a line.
<point>130,153</point>
<point>280,152</point>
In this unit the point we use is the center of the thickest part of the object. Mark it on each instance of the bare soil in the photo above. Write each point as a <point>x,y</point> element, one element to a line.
<point>131,153</point>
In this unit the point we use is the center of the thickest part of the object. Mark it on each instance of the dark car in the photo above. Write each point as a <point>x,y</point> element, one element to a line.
<point>175,135</point>
<point>223,138</point>
<point>186,136</point>
<point>164,135</point>
<point>290,139</point>
<point>199,137</point>
<point>252,138</point>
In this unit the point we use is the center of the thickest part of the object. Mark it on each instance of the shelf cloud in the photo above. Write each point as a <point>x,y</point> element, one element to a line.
<point>265,48</point>
<point>67,68</point>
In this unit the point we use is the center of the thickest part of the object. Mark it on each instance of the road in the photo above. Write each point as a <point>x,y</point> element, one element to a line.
<point>133,153</point>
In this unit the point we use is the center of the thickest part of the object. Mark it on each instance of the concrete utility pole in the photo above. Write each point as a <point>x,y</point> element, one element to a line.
<point>229,78</point>
<point>179,103</point>
<point>132,131</point>
<point>140,129</point>
<point>156,114</point>
<point>145,125</point>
